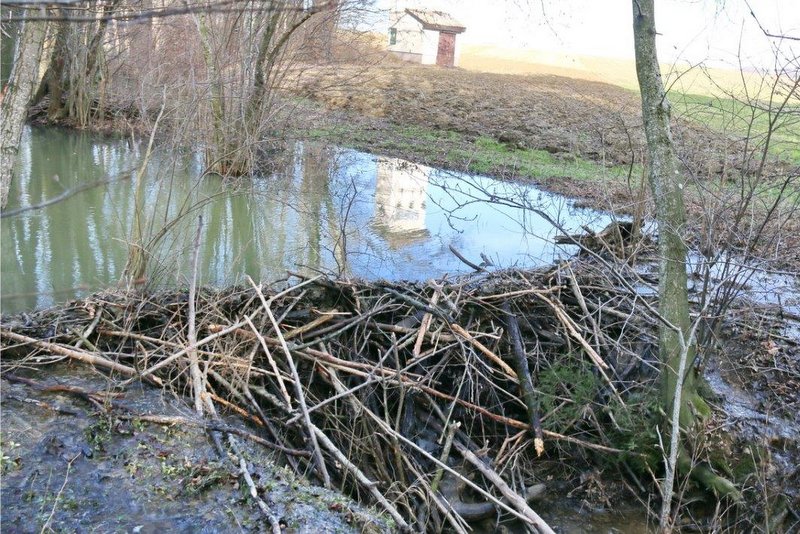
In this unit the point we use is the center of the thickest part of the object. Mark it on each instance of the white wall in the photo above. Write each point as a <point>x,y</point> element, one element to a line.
<point>415,43</point>
<point>430,46</point>
<point>409,34</point>
<point>401,191</point>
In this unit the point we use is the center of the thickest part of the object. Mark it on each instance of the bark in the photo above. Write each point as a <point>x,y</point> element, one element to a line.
<point>676,343</point>
<point>15,96</point>
<point>667,189</point>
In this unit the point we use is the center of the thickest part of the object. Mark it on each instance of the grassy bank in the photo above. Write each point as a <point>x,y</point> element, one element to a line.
<point>481,154</point>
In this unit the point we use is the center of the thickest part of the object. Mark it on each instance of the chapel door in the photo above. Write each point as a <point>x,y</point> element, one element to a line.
<point>445,56</point>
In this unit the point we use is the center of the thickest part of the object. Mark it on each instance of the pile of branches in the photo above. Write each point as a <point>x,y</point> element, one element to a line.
<point>421,398</point>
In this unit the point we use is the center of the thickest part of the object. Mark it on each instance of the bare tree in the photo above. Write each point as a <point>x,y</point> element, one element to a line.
<point>681,398</point>
<point>16,94</point>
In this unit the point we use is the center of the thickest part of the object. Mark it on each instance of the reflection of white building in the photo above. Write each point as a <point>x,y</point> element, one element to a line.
<point>400,195</point>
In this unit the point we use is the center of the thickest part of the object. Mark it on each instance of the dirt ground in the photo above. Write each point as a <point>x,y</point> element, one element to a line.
<point>594,120</point>
<point>69,466</point>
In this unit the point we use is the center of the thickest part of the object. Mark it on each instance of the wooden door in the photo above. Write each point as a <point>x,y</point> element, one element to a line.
<point>446,55</point>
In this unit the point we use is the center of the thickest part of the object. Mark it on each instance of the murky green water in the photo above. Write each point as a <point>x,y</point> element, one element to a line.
<point>326,210</point>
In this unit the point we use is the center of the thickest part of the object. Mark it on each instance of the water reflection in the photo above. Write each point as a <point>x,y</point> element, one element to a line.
<point>326,210</point>
<point>401,189</point>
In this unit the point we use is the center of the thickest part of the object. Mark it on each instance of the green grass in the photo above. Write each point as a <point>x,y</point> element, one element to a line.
<point>531,163</point>
<point>482,155</point>
<point>732,117</point>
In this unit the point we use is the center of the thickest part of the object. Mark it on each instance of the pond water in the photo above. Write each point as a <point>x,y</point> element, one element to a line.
<point>326,209</point>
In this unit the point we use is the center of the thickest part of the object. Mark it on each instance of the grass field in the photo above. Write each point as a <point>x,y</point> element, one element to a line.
<point>710,97</point>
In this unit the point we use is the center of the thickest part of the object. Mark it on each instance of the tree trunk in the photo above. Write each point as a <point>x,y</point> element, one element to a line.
<point>676,343</point>
<point>667,190</point>
<point>15,96</point>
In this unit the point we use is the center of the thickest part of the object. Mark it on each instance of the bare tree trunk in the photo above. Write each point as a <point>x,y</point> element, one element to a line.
<point>676,339</point>
<point>22,85</point>
<point>667,190</point>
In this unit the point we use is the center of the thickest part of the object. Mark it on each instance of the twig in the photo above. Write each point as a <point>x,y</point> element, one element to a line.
<point>297,383</point>
<point>448,442</point>
<point>524,377</point>
<point>245,473</point>
<point>461,257</point>
<point>46,525</point>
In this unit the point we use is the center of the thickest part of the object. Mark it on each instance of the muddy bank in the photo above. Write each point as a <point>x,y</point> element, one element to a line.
<point>414,395</point>
<point>137,459</point>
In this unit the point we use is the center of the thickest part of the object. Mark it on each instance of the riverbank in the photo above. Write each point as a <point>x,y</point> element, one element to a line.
<point>431,351</point>
<point>573,137</point>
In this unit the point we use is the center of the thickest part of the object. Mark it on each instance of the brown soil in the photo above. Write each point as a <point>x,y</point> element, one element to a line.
<point>594,120</point>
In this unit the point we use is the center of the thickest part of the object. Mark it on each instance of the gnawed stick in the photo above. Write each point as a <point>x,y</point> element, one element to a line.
<point>79,355</point>
<point>485,350</point>
<point>524,377</point>
<point>273,365</point>
<point>219,333</point>
<point>430,457</point>
<point>361,477</point>
<point>424,326</point>
<point>572,328</point>
<point>448,442</point>
<point>514,498</point>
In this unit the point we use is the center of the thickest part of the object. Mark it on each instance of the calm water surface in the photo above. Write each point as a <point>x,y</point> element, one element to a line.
<point>327,209</point>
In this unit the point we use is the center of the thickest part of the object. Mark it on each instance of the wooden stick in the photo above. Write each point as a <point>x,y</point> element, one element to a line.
<point>512,496</point>
<point>271,360</point>
<point>319,321</point>
<point>524,376</point>
<point>461,257</point>
<point>301,400</point>
<point>424,326</point>
<point>245,472</point>
<point>79,355</point>
<point>488,353</point>
<point>219,333</point>
<point>571,327</point>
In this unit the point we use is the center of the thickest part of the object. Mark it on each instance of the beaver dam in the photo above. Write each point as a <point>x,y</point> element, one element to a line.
<point>454,404</point>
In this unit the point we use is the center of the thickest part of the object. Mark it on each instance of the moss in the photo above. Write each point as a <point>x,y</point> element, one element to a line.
<point>570,378</point>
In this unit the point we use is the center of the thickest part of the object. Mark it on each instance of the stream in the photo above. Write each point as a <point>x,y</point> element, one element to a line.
<point>325,210</point>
